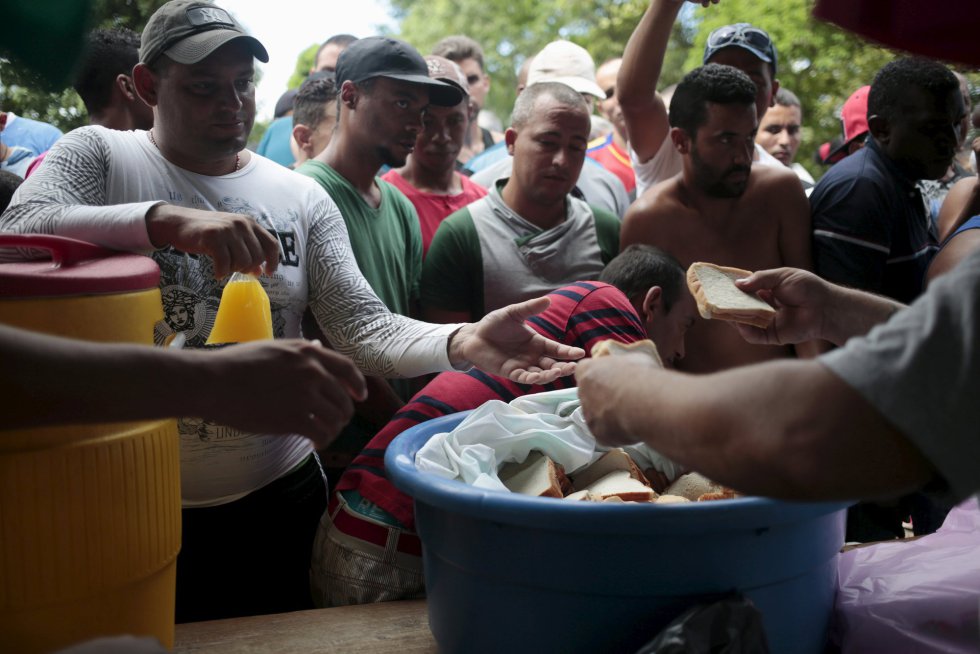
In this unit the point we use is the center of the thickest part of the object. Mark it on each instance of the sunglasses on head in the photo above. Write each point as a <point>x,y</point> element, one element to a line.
<point>734,34</point>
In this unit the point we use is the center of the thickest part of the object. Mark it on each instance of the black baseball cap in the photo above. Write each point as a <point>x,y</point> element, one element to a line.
<point>188,31</point>
<point>380,56</point>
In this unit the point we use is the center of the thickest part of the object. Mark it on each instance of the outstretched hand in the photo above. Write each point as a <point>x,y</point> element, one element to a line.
<point>800,299</point>
<point>503,345</point>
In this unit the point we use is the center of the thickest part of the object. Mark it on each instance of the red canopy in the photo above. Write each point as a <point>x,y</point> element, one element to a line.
<point>945,30</point>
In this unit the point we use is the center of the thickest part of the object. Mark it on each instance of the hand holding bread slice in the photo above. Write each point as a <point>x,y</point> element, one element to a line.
<point>714,290</point>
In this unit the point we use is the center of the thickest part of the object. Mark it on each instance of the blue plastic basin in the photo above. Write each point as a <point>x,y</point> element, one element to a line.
<point>511,573</point>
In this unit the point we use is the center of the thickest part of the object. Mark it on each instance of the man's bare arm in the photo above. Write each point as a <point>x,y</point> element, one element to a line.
<point>788,429</point>
<point>636,85</point>
<point>793,210</point>
<point>795,238</point>
<point>287,387</point>
<point>961,246</point>
<point>961,203</point>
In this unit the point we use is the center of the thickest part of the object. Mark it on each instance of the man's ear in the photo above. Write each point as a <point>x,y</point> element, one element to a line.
<point>510,137</point>
<point>303,135</point>
<point>349,94</point>
<point>126,86</point>
<point>652,301</point>
<point>145,84</point>
<point>680,139</point>
<point>880,128</point>
<point>775,89</point>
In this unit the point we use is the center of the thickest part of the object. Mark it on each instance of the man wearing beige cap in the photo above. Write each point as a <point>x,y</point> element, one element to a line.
<point>188,194</point>
<point>569,64</point>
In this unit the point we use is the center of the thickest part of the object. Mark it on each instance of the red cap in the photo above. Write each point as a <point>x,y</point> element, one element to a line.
<point>854,114</point>
<point>854,118</point>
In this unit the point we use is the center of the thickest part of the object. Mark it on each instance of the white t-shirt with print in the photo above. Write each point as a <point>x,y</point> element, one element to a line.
<point>97,185</point>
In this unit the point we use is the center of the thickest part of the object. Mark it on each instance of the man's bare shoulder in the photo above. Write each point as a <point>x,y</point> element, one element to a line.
<point>776,179</point>
<point>661,199</point>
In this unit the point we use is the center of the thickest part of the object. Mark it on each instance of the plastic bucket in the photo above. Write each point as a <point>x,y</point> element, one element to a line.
<point>512,573</point>
<point>89,514</point>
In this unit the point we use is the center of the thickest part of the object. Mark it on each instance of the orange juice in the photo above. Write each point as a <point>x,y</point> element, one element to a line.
<point>244,313</point>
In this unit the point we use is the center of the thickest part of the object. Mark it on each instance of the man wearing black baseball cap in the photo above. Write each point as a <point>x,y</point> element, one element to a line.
<point>384,88</point>
<point>741,45</point>
<point>202,206</point>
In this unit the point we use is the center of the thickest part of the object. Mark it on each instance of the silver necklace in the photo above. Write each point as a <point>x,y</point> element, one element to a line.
<point>238,157</point>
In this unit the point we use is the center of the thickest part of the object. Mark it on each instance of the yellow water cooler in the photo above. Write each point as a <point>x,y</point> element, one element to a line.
<point>89,514</point>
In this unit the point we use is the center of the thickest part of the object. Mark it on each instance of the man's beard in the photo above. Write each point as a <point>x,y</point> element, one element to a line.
<point>714,184</point>
<point>389,158</point>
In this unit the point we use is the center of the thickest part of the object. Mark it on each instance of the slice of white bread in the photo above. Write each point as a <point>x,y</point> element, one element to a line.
<point>610,347</point>
<point>620,484</point>
<point>692,486</point>
<point>537,475</point>
<point>672,499</point>
<point>713,288</point>
<point>614,460</point>
<point>583,496</point>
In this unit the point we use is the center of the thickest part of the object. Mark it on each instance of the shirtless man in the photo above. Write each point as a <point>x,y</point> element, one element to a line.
<point>721,209</point>
<point>741,45</point>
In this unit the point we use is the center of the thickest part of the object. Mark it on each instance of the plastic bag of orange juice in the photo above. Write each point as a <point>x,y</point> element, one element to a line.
<point>244,313</point>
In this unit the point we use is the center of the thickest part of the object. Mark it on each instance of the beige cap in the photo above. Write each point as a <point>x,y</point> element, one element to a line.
<point>568,64</point>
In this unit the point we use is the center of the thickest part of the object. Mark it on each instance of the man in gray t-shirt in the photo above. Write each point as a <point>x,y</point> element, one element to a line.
<point>880,416</point>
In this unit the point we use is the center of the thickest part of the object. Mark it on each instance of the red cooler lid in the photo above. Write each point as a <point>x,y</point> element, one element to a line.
<point>75,268</point>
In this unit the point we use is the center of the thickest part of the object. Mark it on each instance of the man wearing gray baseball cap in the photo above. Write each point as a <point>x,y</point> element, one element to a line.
<point>188,31</point>
<point>190,195</point>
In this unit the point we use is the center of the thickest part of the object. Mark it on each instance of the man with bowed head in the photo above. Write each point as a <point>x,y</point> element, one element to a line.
<point>189,194</point>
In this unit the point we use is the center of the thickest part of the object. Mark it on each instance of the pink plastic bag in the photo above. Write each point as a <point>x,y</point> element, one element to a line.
<point>913,596</point>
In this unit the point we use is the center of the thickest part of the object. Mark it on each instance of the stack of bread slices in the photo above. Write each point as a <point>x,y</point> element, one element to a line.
<point>613,477</point>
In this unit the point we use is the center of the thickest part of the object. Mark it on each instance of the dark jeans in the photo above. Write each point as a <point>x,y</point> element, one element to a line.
<point>251,556</point>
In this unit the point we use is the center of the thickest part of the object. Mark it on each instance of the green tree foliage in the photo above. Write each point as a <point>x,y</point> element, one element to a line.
<point>24,94</point>
<point>818,62</point>
<point>304,62</point>
<point>511,31</point>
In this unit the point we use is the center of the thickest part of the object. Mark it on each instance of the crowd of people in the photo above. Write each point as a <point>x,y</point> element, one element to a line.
<point>376,200</point>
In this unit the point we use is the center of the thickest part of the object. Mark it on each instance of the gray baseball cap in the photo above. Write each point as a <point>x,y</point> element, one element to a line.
<point>187,31</point>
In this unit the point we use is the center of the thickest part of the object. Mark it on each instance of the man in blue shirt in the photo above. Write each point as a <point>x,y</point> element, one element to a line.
<point>870,227</point>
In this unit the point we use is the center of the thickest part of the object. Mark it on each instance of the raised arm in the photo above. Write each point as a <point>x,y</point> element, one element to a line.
<point>636,85</point>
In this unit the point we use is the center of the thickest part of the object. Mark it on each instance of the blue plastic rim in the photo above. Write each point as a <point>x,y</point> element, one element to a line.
<point>743,513</point>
